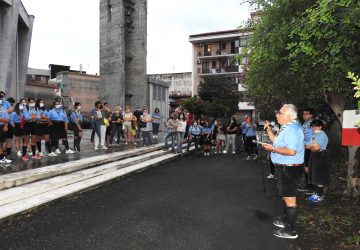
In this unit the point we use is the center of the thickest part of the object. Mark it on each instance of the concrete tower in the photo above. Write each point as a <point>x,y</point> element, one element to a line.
<point>15,39</point>
<point>123,34</point>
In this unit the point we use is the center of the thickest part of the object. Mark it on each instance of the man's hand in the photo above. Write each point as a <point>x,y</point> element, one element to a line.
<point>267,147</point>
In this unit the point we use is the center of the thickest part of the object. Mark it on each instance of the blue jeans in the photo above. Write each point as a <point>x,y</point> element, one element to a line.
<point>146,138</point>
<point>173,137</point>
<point>180,136</point>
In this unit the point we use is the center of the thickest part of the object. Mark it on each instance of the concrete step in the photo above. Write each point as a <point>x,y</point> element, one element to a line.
<point>28,176</point>
<point>34,188</point>
<point>35,200</point>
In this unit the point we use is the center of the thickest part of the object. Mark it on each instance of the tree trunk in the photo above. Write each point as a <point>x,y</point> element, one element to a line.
<point>337,102</point>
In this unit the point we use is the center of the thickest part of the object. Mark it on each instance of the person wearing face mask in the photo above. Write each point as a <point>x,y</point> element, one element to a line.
<point>318,163</point>
<point>4,123</point>
<point>43,128</point>
<point>76,119</point>
<point>116,129</point>
<point>10,133</point>
<point>127,126</point>
<point>16,119</point>
<point>59,120</point>
<point>250,137</point>
<point>195,131</point>
<point>31,116</point>
<point>146,119</point>
<point>231,134</point>
<point>181,128</point>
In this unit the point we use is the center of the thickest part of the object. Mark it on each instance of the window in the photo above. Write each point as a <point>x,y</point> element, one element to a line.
<point>213,64</point>
<point>109,11</point>
<point>207,50</point>
<point>223,46</point>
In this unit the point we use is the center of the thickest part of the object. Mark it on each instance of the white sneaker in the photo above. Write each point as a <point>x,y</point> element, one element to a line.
<point>19,154</point>
<point>205,154</point>
<point>52,154</point>
<point>69,151</point>
<point>233,152</point>
<point>270,176</point>
<point>224,151</point>
<point>5,161</point>
<point>208,154</point>
<point>248,158</point>
<point>215,152</point>
<point>256,157</point>
<point>29,153</point>
<point>41,154</point>
<point>103,147</point>
<point>57,151</point>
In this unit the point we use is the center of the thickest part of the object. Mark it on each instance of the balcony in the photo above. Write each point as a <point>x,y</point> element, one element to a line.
<point>220,71</point>
<point>219,53</point>
<point>246,106</point>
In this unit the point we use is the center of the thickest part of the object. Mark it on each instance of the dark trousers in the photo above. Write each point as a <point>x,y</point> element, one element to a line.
<point>194,139</point>
<point>250,146</point>
<point>115,130</point>
<point>238,143</point>
<point>146,136</point>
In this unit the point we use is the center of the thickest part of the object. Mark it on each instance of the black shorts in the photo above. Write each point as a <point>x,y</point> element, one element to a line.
<point>289,177</point>
<point>307,157</point>
<point>2,134</point>
<point>30,128</point>
<point>43,129</point>
<point>75,128</point>
<point>10,132</point>
<point>58,131</point>
<point>17,131</point>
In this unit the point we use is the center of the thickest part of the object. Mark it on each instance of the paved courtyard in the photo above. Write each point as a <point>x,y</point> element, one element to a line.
<point>194,202</point>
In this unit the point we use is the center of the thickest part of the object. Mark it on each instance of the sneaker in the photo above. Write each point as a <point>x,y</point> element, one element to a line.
<point>5,161</point>
<point>208,154</point>
<point>37,157</point>
<point>135,143</point>
<point>57,151</point>
<point>224,151</point>
<point>69,151</point>
<point>25,158</point>
<point>286,233</point>
<point>126,143</point>
<point>29,153</point>
<point>278,222</point>
<point>255,157</point>
<point>233,152</point>
<point>205,154</point>
<point>315,198</point>
<point>270,176</point>
<point>103,147</point>
<point>19,154</point>
<point>52,154</point>
<point>215,152</point>
<point>248,158</point>
<point>41,154</point>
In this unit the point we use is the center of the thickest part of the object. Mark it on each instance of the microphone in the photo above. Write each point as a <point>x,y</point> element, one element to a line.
<point>270,125</point>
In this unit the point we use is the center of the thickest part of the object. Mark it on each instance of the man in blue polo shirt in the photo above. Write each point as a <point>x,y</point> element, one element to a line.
<point>287,154</point>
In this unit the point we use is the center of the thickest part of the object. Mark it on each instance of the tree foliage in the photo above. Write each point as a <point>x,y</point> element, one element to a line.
<point>218,97</point>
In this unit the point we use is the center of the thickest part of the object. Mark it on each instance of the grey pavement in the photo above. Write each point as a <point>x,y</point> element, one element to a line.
<point>87,150</point>
<point>195,202</point>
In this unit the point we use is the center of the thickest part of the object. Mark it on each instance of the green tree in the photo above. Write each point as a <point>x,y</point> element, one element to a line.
<point>218,97</point>
<point>220,94</point>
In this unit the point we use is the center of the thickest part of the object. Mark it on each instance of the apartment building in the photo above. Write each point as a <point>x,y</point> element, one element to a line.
<point>214,54</point>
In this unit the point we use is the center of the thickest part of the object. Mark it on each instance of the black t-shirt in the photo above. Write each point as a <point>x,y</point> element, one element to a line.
<point>232,126</point>
<point>115,117</point>
<point>138,113</point>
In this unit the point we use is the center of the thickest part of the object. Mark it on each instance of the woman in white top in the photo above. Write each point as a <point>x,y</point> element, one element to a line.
<point>127,126</point>
<point>181,128</point>
<point>146,127</point>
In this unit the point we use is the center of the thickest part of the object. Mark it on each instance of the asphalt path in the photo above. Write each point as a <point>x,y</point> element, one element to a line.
<point>193,202</point>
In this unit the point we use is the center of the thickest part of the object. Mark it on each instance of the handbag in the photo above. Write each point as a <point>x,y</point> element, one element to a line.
<point>106,122</point>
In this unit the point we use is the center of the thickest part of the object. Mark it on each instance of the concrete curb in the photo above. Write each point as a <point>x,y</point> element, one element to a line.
<point>28,176</point>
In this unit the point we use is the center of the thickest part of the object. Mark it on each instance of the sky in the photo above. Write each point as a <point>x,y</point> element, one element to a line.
<point>66,32</point>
